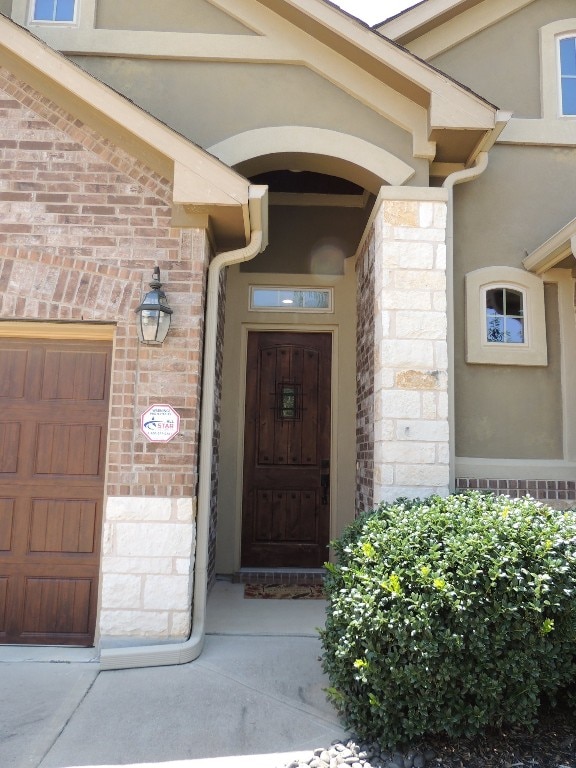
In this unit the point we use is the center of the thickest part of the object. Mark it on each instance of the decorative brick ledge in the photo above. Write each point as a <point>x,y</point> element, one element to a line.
<point>545,490</point>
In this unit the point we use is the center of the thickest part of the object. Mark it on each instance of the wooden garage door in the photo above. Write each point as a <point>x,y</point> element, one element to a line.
<point>53,420</point>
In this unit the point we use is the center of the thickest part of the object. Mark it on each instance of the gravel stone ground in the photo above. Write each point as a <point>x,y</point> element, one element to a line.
<point>551,744</point>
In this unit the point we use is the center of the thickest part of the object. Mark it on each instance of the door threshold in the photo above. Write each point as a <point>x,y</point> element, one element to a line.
<point>279,576</point>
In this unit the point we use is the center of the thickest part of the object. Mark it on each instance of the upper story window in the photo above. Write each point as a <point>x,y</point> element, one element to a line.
<point>568,75</point>
<point>54,10</point>
<point>558,71</point>
<point>504,316</point>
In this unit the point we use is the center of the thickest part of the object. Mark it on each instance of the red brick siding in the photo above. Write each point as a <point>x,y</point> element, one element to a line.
<point>217,428</point>
<point>365,379</point>
<point>82,226</point>
<point>544,490</point>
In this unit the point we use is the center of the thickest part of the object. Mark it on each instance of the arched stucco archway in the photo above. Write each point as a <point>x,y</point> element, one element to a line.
<point>314,149</point>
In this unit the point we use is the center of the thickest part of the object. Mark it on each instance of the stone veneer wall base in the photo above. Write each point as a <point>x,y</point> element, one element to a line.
<point>147,568</point>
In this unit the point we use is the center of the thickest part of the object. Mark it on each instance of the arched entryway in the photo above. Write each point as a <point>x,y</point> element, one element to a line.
<point>278,504</point>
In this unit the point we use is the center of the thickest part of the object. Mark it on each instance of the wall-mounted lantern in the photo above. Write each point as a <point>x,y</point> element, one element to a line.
<point>154,313</point>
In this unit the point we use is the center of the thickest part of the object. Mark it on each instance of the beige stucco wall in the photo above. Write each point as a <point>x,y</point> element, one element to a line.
<point>174,16</point>
<point>510,76</point>
<point>342,323</point>
<point>525,196</point>
<point>313,240</point>
<point>225,99</point>
<point>494,403</point>
<point>499,218</point>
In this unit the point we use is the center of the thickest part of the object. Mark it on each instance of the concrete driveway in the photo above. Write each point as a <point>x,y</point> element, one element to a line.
<point>253,698</point>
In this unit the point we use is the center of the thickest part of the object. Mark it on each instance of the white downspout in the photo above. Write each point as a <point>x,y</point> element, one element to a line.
<point>182,653</point>
<point>458,177</point>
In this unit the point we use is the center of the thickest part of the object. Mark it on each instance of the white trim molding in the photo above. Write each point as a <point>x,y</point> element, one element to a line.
<point>558,247</point>
<point>435,26</point>
<point>310,143</point>
<point>519,469</point>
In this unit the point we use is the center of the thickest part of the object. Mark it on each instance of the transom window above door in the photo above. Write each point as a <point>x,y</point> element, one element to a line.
<point>54,10</point>
<point>286,299</point>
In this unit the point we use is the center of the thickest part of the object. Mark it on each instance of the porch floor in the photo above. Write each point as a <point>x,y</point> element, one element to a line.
<point>229,613</point>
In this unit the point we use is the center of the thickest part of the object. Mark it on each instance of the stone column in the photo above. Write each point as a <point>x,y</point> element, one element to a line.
<point>411,426</point>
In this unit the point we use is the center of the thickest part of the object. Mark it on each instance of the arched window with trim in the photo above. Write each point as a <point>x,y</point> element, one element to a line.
<point>505,319</point>
<point>567,53</point>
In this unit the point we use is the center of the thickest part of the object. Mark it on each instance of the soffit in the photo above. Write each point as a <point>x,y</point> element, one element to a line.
<point>200,180</point>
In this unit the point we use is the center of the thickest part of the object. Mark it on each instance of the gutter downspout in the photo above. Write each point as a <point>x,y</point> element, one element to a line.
<point>182,653</point>
<point>458,177</point>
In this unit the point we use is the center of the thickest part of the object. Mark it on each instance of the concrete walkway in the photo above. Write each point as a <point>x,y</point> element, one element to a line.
<point>253,698</point>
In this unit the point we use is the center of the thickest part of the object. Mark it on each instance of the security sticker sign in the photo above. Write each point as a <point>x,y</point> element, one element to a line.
<point>160,423</point>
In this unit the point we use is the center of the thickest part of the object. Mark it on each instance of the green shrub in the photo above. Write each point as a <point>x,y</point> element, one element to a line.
<point>450,614</point>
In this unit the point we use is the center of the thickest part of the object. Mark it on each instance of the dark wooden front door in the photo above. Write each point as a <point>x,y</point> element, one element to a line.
<point>286,504</point>
<point>53,421</point>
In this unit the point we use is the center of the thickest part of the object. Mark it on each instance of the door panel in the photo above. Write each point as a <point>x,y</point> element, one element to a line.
<point>53,422</point>
<point>286,510</point>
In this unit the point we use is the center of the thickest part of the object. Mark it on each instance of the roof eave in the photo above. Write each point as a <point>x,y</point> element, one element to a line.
<point>553,251</point>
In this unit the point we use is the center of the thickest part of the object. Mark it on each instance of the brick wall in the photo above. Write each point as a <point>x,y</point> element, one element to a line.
<point>365,378</point>
<point>543,490</point>
<point>217,426</point>
<point>83,225</point>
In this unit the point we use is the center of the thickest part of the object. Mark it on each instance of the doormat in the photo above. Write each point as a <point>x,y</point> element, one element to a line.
<point>284,592</point>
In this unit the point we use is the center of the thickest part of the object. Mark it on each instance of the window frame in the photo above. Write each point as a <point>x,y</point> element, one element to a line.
<point>479,349</point>
<point>289,307</point>
<point>561,75</point>
<point>550,68</point>
<point>54,22</point>
<point>505,314</point>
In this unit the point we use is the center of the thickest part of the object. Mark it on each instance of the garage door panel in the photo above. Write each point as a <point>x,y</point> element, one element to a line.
<point>63,525</point>
<point>3,605</point>
<point>75,375</point>
<point>54,418</point>
<point>14,363</point>
<point>6,523</point>
<point>9,447</point>
<point>56,606</point>
<point>68,449</point>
